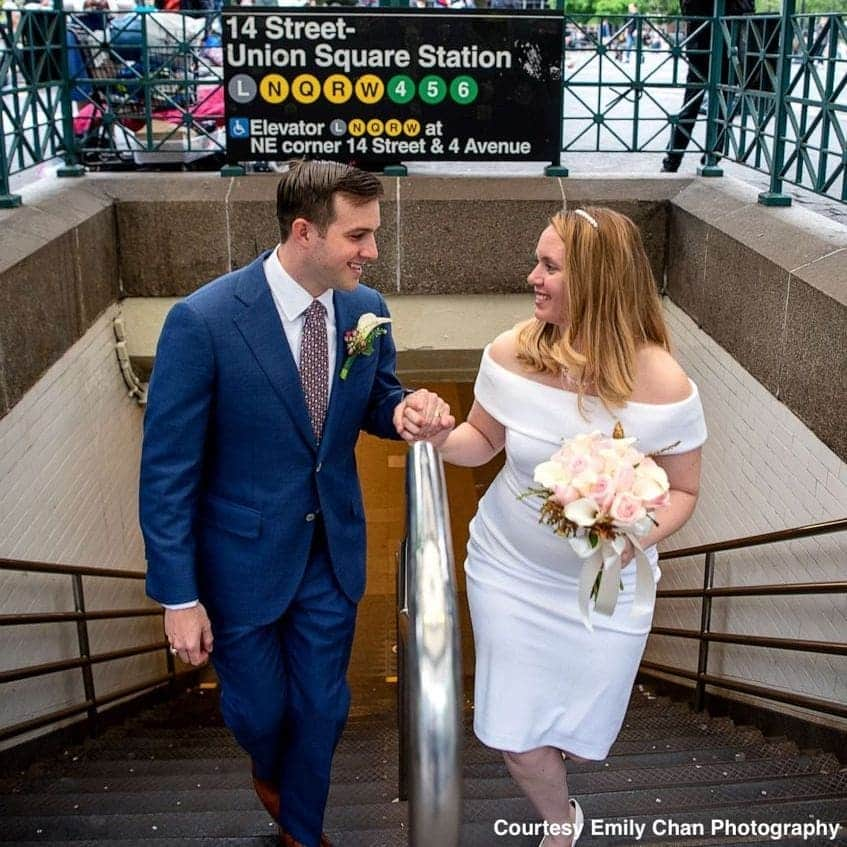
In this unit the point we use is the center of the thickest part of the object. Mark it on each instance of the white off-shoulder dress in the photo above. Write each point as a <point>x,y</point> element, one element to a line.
<point>541,677</point>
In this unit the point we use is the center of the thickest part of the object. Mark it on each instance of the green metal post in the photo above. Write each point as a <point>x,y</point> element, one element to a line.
<point>832,52</point>
<point>715,64</point>
<point>233,170</point>
<point>557,168</point>
<point>229,170</point>
<point>72,166</point>
<point>775,196</point>
<point>7,199</point>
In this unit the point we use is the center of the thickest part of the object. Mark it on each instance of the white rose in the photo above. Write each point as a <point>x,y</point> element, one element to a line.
<point>551,474</point>
<point>648,470</point>
<point>584,482</point>
<point>647,489</point>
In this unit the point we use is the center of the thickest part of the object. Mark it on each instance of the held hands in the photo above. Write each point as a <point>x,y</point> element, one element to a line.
<point>423,416</point>
<point>190,634</point>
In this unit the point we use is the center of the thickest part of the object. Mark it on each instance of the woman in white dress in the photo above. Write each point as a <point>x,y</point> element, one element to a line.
<point>594,353</point>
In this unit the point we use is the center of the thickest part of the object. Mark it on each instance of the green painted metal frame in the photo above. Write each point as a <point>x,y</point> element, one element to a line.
<point>781,108</point>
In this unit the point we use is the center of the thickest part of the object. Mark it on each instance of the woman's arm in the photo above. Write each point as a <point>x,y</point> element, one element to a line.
<point>683,472</point>
<point>474,442</point>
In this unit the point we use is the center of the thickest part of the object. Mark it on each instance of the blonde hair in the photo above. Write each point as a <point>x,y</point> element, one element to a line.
<point>613,307</point>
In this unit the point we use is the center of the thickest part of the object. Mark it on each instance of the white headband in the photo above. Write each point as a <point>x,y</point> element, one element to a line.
<point>583,214</point>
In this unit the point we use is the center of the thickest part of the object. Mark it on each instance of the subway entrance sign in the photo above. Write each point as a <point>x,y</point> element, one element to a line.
<point>391,85</point>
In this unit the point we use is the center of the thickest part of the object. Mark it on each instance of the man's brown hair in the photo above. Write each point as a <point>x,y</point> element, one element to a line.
<point>306,190</point>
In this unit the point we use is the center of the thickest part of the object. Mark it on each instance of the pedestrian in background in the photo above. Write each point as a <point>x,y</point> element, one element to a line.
<point>698,49</point>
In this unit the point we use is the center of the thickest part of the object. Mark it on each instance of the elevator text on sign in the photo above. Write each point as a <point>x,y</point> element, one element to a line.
<point>384,86</point>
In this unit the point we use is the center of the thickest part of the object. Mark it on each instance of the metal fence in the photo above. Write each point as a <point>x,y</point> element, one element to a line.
<point>144,87</point>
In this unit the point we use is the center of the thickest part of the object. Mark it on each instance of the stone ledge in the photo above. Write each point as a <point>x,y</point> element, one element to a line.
<point>58,273</point>
<point>769,285</point>
<point>437,336</point>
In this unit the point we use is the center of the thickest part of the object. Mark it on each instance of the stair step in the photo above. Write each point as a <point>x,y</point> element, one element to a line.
<point>606,780</point>
<point>599,779</point>
<point>232,823</point>
<point>397,836</point>
<point>479,762</point>
<point>771,799</point>
<point>695,743</point>
<point>764,750</point>
<point>603,802</point>
<point>152,798</point>
<point>640,723</point>
<point>173,775</point>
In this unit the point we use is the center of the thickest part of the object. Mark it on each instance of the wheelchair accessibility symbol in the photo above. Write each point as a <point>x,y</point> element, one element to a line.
<point>239,128</point>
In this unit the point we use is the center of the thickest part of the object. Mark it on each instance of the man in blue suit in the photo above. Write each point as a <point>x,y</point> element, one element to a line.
<point>250,501</point>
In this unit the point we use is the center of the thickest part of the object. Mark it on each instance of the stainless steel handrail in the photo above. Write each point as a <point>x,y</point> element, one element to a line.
<point>430,660</point>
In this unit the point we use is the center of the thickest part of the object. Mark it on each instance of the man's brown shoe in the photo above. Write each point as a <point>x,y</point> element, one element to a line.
<point>287,840</point>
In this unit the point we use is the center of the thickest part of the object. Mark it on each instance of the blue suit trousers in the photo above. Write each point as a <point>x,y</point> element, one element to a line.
<point>284,692</point>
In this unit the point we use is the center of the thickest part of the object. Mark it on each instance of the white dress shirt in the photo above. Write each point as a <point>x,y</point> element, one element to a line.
<point>292,301</point>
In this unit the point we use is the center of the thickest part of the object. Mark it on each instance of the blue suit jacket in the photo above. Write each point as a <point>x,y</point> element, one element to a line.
<point>230,468</point>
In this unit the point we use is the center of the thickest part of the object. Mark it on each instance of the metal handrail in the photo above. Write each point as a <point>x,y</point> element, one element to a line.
<point>791,534</point>
<point>86,660</point>
<point>705,636</point>
<point>430,661</point>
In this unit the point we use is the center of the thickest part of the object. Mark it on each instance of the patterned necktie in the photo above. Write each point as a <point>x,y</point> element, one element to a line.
<point>314,365</point>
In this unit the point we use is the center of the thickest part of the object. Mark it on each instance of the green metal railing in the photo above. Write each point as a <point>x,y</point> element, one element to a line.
<point>30,92</point>
<point>109,88</point>
<point>775,88</point>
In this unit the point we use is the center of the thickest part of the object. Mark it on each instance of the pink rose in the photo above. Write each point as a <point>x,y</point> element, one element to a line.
<point>578,464</point>
<point>624,478</point>
<point>564,494</point>
<point>602,492</point>
<point>596,463</point>
<point>626,509</point>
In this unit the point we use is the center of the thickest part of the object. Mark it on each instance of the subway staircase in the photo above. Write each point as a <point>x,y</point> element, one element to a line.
<point>173,776</point>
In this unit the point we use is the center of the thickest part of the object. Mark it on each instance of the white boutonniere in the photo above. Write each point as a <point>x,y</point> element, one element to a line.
<point>360,341</point>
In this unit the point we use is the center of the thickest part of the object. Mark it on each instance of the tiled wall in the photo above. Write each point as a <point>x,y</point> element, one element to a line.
<point>68,493</point>
<point>763,470</point>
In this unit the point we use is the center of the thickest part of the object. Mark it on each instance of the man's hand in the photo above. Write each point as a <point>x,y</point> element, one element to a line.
<point>423,416</point>
<point>190,633</point>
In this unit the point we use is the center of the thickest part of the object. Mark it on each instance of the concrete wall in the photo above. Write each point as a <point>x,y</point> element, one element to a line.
<point>69,453</point>
<point>763,470</point>
<point>58,272</point>
<point>770,286</point>
<point>438,236</point>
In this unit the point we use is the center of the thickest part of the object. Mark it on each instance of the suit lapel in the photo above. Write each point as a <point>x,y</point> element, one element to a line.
<point>261,329</point>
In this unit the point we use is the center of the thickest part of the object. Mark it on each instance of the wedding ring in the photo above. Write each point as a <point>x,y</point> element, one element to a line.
<point>174,651</point>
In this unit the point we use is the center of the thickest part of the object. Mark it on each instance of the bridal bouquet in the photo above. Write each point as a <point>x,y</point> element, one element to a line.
<point>598,492</point>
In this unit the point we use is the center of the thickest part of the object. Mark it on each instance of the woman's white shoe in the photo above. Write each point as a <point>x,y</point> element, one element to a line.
<point>578,821</point>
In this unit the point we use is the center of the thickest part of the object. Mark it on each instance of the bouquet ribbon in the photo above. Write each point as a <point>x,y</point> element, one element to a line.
<point>606,556</point>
